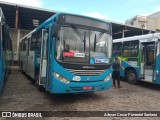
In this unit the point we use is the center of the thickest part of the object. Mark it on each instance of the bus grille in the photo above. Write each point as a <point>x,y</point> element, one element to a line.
<point>86,72</point>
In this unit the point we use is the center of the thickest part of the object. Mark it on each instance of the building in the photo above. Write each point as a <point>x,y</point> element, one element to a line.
<point>151,22</point>
<point>137,21</point>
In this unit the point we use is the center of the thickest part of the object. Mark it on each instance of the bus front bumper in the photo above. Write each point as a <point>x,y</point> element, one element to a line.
<point>79,87</point>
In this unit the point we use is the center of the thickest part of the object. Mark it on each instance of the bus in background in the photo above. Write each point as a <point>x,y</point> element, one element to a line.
<point>5,50</point>
<point>139,57</point>
<point>68,54</point>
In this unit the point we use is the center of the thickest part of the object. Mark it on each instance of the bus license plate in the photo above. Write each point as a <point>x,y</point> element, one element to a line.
<point>87,88</point>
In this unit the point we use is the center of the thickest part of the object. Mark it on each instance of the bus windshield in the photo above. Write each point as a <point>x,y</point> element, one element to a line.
<point>76,45</point>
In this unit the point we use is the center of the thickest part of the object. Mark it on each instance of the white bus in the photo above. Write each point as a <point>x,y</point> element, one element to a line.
<point>139,57</point>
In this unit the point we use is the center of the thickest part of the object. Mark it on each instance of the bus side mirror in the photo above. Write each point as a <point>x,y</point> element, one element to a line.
<point>55,30</point>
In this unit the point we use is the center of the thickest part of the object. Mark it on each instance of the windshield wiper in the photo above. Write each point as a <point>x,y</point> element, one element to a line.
<point>82,38</point>
<point>97,39</point>
<point>84,41</point>
<point>78,33</point>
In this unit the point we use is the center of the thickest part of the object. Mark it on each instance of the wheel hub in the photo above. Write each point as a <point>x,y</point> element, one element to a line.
<point>132,76</point>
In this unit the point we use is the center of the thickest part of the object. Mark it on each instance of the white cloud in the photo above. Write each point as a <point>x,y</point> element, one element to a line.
<point>34,3</point>
<point>96,15</point>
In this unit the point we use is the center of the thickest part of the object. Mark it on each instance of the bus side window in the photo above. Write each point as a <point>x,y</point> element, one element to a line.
<point>130,48</point>
<point>39,40</point>
<point>3,37</point>
<point>126,49</point>
<point>20,46</point>
<point>117,49</point>
<point>33,42</point>
<point>24,45</point>
<point>10,44</point>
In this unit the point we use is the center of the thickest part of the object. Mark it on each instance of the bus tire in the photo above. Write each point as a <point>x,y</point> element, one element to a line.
<point>131,76</point>
<point>40,88</point>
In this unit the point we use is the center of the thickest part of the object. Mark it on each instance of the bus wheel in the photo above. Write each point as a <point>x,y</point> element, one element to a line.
<point>40,88</point>
<point>131,77</point>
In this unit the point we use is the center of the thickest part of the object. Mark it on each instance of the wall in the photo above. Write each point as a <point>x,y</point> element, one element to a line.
<point>153,21</point>
<point>15,36</point>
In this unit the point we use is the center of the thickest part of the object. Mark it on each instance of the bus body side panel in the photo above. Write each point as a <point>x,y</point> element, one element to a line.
<point>7,62</point>
<point>157,70</point>
<point>125,65</point>
<point>2,72</point>
<point>1,78</point>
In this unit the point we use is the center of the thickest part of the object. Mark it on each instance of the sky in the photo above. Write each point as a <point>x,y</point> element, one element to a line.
<point>114,10</point>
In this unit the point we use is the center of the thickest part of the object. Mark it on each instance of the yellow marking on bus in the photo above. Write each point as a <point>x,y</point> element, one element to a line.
<point>121,59</point>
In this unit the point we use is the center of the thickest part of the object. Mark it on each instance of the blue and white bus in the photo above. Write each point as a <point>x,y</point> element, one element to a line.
<point>5,50</point>
<point>139,57</point>
<point>68,54</point>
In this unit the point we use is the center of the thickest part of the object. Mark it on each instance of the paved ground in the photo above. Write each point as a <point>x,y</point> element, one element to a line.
<point>20,94</point>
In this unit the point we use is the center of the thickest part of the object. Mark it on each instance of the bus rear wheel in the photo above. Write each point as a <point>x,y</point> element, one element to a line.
<point>131,76</point>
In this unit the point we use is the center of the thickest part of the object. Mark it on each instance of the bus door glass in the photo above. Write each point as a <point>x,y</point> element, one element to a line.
<point>143,60</point>
<point>43,58</point>
<point>150,60</point>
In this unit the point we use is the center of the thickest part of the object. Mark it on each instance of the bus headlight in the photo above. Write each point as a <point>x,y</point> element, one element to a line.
<point>107,78</point>
<point>61,78</point>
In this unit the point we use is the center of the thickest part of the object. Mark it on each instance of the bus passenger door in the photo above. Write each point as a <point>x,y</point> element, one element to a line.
<point>143,56</point>
<point>150,60</point>
<point>43,58</point>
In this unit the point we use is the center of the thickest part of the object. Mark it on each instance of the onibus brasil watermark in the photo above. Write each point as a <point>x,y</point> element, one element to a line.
<point>21,114</point>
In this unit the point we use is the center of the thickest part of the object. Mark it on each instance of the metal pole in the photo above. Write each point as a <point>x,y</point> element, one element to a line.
<point>123,33</point>
<point>16,21</point>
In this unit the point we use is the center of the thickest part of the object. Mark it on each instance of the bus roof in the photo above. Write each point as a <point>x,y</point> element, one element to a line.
<point>55,15</point>
<point>140,37</point>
